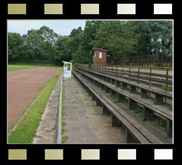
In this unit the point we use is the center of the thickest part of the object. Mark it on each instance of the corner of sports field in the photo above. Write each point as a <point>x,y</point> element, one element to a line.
<point>28,66</point>
<point>26,129</point>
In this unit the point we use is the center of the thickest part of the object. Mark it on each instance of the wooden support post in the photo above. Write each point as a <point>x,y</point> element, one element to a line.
<point>129,137</point>
<point>138,74</point>
<point>118,83</point>
<point>97,83</point>
<point>103,87</point>
<point>111,92</point>
<point>90,93</point>
<point>169,128</point>
<point>166,79</point>
<point>112,81</point>
<point>124,86</point>
<point>93,97</point>
<point>117,72</point>
<point>107,90</point>
<point>105,110</point>
<point>143,93</point>
<point>133,89</point>
<point>132,103</point>
<point>158,99</point>
<point>148,113</point>
<point>121,98</point>
<point>115,121</point>
<point>129,74</point>
<point>98,102</point>
<point>150,77</point>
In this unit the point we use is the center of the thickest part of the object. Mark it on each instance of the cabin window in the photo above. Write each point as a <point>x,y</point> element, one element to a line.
<point>95,55</point>
<point>100,54</point>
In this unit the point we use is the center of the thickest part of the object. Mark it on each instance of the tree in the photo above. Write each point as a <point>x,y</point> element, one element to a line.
<point>161,36</point>
<point>40,45</point>
<point>48,43</point>
<point>75,32</point>
<point>15,45</point>
<point>63,49</point>
<point>81,43</point>
<point>118,37</point>
<point>76,37</point>
<point>144,40</point>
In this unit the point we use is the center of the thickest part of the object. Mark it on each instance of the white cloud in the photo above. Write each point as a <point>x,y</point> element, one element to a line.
<point>61,27</point>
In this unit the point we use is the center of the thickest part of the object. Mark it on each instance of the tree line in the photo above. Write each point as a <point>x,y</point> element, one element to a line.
<point>120,38</point>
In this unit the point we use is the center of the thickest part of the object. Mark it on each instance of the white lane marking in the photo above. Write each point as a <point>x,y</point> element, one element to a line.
<point>27,81</point>
<point>18,76</point>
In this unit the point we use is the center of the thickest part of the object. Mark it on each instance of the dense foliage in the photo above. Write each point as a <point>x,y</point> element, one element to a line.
<point>120,38</point>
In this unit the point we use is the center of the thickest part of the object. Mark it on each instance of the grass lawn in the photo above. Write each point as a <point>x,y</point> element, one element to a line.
<point>17,67</point>
<point>26,129</point>
<point>28,66</point>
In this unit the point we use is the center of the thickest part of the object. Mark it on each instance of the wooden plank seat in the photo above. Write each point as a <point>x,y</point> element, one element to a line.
<point>158,94</point>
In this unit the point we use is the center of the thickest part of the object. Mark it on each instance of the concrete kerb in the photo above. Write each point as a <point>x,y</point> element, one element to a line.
<point>59,115</point>
<point>49,119</point>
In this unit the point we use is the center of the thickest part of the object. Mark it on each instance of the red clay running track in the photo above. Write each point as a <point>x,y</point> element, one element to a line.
<point>23,86</point>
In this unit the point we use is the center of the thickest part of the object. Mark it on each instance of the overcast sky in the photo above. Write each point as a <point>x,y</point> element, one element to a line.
<point>61,27</point>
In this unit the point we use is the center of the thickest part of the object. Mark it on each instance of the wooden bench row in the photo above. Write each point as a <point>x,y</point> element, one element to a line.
<point>159,95</point>
<point>144,77</point>
<point>135,133</point>
<point>148,108</point>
